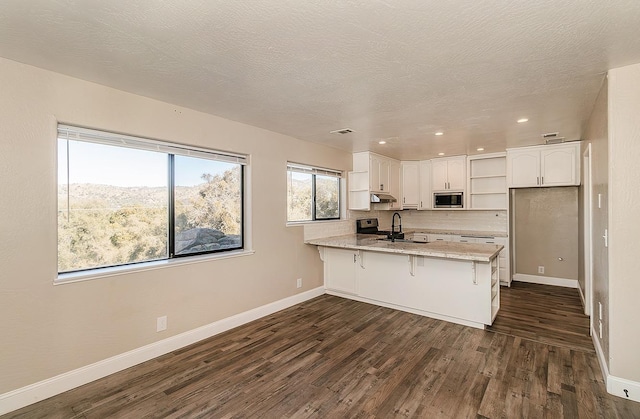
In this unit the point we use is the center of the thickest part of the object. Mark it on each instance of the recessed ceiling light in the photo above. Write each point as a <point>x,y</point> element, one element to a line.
<point>480,149</point>
<point>382,142</point>
<point>440,154</point>
<point>439,133</point>
<point>522,120</point>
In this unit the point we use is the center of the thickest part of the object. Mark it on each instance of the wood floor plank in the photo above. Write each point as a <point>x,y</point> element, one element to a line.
<point>335,358</point>
<point>543,313</point>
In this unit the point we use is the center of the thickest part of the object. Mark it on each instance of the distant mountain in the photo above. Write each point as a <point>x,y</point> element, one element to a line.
<point>123,196</point>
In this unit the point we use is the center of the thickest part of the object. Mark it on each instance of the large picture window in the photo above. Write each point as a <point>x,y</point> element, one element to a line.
<point>312,193</point>
<point>124,200</point>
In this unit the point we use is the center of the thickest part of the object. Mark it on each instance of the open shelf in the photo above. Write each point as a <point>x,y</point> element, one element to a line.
<point>487,185</point>
<point>358,186</point>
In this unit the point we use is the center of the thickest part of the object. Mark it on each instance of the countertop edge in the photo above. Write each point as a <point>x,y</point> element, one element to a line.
<point>415,249</point>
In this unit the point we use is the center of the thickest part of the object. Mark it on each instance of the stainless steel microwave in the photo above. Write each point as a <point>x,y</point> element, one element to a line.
<point>448,200</point>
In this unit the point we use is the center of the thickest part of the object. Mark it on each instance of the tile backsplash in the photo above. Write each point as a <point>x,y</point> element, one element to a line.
<point>329,229</point>
<point>469,220</point>
<point>438,220</point>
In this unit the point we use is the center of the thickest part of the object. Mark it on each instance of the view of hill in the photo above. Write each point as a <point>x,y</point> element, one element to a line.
<point>121,196</point>
<point>104,225</point>
<point>300,198</point>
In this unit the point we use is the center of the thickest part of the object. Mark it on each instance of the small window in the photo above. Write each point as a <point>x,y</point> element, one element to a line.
<point>313,193</point>
<point>125,200</point>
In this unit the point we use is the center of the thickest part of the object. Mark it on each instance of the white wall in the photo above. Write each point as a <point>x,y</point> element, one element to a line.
<point>624,222</point>
<point>47,330</point>
<point>597,134</point>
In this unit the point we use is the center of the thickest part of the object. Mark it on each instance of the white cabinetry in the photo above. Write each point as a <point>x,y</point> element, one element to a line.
<point>379,173</point>
<point>410,184</point>
<point>440,237</point>
<point>425,185</point>
<point>340,269</point>
<point>487,187</point>
<point>373,173</point>
<point>504,273</point>
<point>542,166</point>
<point>359,195</point>
<point>449,174</point>
<point>395,187</point>
<point>460,291</point>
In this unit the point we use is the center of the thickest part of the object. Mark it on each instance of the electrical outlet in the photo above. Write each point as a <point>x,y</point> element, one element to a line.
<point>540,269</point>
<point>161,323</point>
<point>299,283</point>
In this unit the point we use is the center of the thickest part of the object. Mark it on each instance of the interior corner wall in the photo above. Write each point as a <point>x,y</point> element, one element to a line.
<point>624,225</point>
<point>49,329</point>
<point>546,231</point>
<point>597,135</point>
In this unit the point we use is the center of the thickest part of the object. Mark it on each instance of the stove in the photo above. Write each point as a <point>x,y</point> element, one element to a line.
<point>370,226</point>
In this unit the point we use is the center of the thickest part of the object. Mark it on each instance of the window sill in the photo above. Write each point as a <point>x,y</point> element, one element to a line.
<point>301,223</point>
<point>68,278</point>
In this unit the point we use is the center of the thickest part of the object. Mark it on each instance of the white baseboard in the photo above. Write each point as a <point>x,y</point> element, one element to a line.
<point>583,299</point>
<point>546,280</point>
<point>604,366</point>
<point>41,390</point>
<point>624,388</point>
<point>617,386</point>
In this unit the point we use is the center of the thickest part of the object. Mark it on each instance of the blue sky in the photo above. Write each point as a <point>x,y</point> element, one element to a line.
<point>118,166</point>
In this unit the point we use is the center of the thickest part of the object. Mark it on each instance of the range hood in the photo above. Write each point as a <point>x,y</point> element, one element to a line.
<point>381,197</point>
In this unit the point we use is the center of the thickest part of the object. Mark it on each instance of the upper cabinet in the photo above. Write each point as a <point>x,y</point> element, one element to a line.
<point>544,166</point>
<point>395,187</point>
<point>425,186</point>
<point>410,184</point>
<point>449,174</point>
<point>379,173</point>
<point>373,173</point>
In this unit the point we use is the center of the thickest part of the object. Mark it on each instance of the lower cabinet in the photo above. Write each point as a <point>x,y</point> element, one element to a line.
<point>459,291</point>
<point>340,269</point>
<point>504,274</point>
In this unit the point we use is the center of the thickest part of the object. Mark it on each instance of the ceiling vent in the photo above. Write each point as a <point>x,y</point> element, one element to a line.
<point>550,135</point>
<point>554,140</point>
<point>341,131</point>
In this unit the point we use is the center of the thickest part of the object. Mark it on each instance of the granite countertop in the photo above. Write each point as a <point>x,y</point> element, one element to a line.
<point>478,252</point>
<point>455,232</point>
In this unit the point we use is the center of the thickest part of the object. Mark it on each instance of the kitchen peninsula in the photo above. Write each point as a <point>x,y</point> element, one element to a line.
<point>456,282</point>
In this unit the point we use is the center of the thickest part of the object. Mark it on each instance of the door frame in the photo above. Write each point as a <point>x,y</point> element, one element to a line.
<point>587,213</point>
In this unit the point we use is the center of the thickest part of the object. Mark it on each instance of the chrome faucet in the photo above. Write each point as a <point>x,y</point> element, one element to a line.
<point>393,225</point>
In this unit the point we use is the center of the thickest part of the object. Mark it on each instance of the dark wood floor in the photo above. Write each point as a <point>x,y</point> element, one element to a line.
<point>336,358</point>
<point>544,313</point>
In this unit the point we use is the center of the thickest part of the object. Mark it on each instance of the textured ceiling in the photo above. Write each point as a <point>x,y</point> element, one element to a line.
<point>395,70</point>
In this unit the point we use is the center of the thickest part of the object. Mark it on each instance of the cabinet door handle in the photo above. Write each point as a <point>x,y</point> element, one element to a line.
<point>382,186</point>
<point>538,180</point>
<point>404,200</point>
<point>354,258</point>
<point>542,180</point>
<point>420,204</point>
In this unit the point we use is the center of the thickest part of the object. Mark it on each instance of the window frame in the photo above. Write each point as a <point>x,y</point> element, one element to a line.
<point>172,218</point>
<point>314,172</point>
<point>170,150</point>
